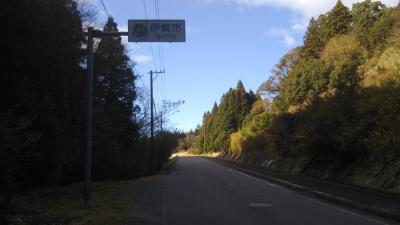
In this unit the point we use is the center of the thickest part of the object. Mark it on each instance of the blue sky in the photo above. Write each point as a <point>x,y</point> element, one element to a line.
<point>226,41</point>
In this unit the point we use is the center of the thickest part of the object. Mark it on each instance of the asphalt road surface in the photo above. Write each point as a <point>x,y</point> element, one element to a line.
<point>199,191</point>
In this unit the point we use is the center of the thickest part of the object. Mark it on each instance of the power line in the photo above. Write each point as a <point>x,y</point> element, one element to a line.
<point>157,9</point>
<point>151,45</point>
<point>139,75</point>
<point>161,44</point>
<point>157,14</point>
<point>145,10</point>
<point>160,53</point>
<point>105,8</point>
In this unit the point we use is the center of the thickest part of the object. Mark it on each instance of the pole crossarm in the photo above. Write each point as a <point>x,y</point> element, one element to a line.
<point>157,73</point>
<point>99,33</point>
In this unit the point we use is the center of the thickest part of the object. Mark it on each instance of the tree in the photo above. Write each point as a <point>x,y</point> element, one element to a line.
<point>273,85</point>
<point>41,110</point>
<point>114,77</point>
<point>313,39</point>
<point>383,28</point>
<point>342,53</point>
<point>308,79</point>
<point>364,15</point>
<point>338,21</point>
<point>225,118</point>
<point>243,103</point>
<point>115,131</point>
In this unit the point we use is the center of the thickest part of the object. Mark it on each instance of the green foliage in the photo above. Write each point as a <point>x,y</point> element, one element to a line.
<point>347,127</point>
<point>251,136</point>
<point>307,79</point>
<point>365,14</point>
<point>114,97</point>
<point>314,38</point>
<point>165,143</point>
<point>225,119</point>
<point>282,127</point>
<point>320,31</point>
<point>378,113</point>
<point>383,28</point>
<point>41,110</point>
<point>41,116</point>
<point>272,86</point>
<point>338,21</point>
<point>339,100</point>
<point>335,97</point>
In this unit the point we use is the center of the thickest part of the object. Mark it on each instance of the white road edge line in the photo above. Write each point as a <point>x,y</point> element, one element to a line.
<point>303,196</point>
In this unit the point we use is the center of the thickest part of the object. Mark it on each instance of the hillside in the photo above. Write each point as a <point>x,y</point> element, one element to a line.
<point>330,108</point>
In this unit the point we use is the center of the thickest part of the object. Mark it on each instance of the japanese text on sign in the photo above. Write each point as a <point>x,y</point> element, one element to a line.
<point>156,31</point>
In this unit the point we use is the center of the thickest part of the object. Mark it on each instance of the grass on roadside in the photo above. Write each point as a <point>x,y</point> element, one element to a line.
<point>110,200</point>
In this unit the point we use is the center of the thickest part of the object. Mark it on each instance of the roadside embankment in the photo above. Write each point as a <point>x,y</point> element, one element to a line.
<point>382,176</point>
<point>379,203</point>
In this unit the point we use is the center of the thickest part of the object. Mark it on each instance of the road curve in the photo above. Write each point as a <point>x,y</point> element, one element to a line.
<point>198,191</point>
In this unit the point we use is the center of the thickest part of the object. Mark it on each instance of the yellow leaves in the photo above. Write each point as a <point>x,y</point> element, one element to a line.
<point>384,69</point>
<point>236,143</point>
<point>339,47</point>
<point>260,106</point>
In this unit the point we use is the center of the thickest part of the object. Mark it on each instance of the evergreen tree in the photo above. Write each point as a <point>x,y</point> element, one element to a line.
<point>243,103</point>
<point>225,118</point>
<point>365,14</point>
<point>114,129</point>
<point>338,21</point>
<point>40,114</point>
<point>114,77</point>
<point>313,39</point>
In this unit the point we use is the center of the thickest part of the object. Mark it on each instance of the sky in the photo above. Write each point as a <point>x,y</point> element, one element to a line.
<point>226,41</point>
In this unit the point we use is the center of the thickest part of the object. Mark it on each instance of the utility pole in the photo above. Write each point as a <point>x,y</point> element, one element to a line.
<point>87,200</point>
<point>152,119</point>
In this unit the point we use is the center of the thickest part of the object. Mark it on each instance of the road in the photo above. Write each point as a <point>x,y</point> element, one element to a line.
<point>199,191</point>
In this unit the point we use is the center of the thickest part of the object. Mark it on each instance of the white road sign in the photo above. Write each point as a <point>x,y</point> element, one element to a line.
<point>156,31</point>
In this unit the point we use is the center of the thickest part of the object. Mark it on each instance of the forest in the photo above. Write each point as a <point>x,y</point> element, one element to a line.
<point>332,101</point>
<point>42,105</point>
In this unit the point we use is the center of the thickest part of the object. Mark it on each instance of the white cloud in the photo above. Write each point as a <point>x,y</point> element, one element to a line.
<point>285,34</point>
<point>123,28</point>
<point>306,8</point>
<point>300,24</point>
<point>141,59</point>
<point>289,41</point>
<point>277,31</point>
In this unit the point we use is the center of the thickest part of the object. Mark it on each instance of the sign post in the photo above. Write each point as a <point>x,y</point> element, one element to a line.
<point>138,31</point>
